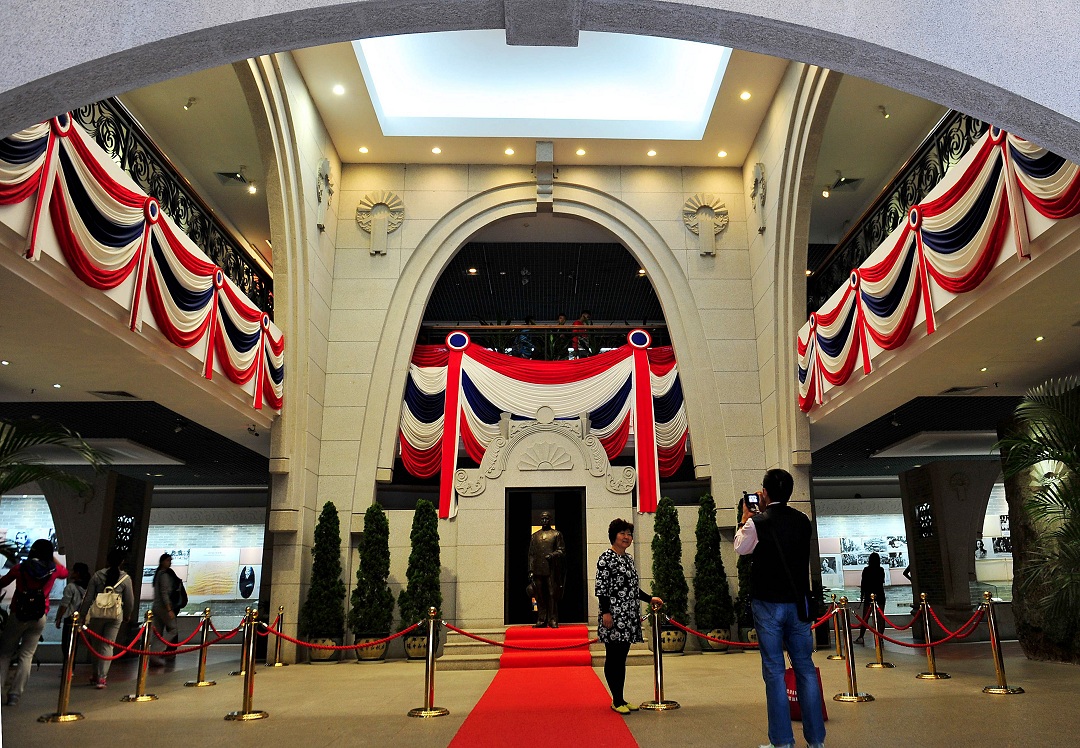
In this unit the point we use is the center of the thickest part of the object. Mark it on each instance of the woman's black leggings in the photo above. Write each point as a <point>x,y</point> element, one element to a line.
<point>615,669</point>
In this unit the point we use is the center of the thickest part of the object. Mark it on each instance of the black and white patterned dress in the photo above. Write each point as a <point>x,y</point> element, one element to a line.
<point>617,580</point>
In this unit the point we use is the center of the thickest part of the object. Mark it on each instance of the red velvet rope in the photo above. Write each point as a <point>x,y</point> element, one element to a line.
<point>83,631</point>
<point>678,625</point>
<point>179,644</point>
<point>231,634</point>
<point>966,630</point>
<point>504,645</point>
<point>893,625</point>
<point>130,648</point>
<point>341,647</point>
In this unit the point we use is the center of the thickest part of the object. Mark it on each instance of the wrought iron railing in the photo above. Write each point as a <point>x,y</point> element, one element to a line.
<point>121,136</point>
<point>946,144</point>
<point>544,342</point>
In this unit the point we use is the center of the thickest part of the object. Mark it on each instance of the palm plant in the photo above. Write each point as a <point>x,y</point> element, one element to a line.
<point>1043,445</point>
<point>18,465</point>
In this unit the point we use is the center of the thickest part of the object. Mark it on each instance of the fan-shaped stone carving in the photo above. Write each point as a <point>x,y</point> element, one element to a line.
<point>390,201</point>
<point>701,206</point>
<point>545,456</point>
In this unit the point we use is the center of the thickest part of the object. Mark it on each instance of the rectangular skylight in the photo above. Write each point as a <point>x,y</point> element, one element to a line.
<point>472,84</point>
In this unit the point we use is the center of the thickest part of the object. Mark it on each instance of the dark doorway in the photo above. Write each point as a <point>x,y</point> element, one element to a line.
<point>523,508</point>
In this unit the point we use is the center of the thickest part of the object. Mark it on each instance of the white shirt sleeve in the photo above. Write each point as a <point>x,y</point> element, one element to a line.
<point>746,539</point>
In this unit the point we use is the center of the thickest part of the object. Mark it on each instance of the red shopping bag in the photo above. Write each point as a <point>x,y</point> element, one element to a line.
<point>793,695</point>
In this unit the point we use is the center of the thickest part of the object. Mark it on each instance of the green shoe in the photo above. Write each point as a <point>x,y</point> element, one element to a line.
<point>632,707</point>
<point>621,709</point>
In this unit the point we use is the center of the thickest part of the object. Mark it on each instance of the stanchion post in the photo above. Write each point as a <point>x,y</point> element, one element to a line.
<point>251,620</point>
<point>995,644</point>
<point>429,709</point>
<point>852,694</point>
<point>931,661</point>
<point>277,644</point>
<point>879,645</point>
<point>62,714</point>
<point>244,644</point>
<point>200,679</point>
<point>658,703</point>
<point>836,631</point>
<point>144,659</point>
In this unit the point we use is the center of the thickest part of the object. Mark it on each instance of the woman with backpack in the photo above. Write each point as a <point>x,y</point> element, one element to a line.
<point>78,578</point>
<point>109,601</point>
<point>33,579</point>
<point>167,603</point>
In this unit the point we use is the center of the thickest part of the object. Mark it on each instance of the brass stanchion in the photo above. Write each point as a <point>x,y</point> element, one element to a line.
<point>931,662</point>
<point>836,632</point>
<point>62,714</point>
<point>250,621</point>
<point>243,646</point>
<point>144,658</point>
<point>999,665</point>
<point>658,703</point>
<point>879,646</point>
<point>200,679</point>
<point>853,693</point>
<point>277,644</point>
<point>429,709</point>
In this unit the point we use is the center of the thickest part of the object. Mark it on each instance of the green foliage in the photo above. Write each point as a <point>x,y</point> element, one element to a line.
<point>1044,449</point>
<point>18,465</point>
<point>322,615</point>
<point>742,601</point>
<point>669,581</point>
<point>422,590</point>
<point>713,608</point>
<point>372,601</point>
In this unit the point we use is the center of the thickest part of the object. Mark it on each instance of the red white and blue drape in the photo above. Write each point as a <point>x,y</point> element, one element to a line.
<point>476,386</point>
<point>114,237</point>
<point>1001,195</point>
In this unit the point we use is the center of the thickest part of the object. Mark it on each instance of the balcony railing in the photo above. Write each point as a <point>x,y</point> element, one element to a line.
<point>942,149</point>
<point>544,342</point>
<point>121,136</point>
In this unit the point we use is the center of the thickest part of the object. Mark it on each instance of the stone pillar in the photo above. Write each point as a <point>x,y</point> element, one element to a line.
<point>944,505</point>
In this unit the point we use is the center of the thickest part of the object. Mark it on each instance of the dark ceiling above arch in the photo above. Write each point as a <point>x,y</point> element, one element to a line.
<point>517,279</point>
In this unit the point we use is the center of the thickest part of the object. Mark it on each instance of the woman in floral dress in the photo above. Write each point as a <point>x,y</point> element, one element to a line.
<point>619,595</point>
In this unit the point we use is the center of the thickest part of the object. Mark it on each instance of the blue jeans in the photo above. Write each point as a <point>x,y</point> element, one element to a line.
<point>779,628</point>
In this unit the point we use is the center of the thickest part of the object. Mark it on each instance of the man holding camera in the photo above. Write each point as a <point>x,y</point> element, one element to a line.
<point>778,538</point>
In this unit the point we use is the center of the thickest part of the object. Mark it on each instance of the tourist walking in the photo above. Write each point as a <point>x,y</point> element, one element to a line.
<point>105,622</point>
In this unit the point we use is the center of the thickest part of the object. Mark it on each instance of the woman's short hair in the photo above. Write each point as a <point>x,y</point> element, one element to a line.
<point>617,526</point>
<point>42,549</point>
<point>163,558</point>
<point>874,559</point>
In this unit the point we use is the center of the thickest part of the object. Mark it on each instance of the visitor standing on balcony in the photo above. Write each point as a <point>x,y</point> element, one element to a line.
<point>580,342</point>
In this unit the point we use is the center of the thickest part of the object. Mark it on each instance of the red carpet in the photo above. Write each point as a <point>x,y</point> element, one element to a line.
<point>545,693</point>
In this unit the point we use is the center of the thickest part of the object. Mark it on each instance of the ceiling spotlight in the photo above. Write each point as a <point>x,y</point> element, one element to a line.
<point>192,101</point>
<point>509,151</point>
<point>252,189</point>
<point>253,430</point>
<point>825,192</point>
<point>641,271</point>
<point>436,150</point>
<point>745,96</point>
<point>1039,339</point>
<point>56,386</point>
<point>809,272</point>
<point>722,154</point>
<point>4,363</point>
<point>983,369</point>
<point>650,154</point>
<point>472,271</point>
<point>580,151</point>
<point>339,90</point>
<point>363,149</point>
<point>884,111</point>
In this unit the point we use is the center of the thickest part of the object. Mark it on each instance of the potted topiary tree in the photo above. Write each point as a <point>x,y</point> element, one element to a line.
<point>743,614</point>
<point>322,616</point>
<point>372,611</point>
<point>422,589</point>
<point>714,611</point>
<point>669,581</point>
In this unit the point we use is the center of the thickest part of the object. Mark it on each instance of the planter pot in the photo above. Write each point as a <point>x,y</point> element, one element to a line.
<point>416,646</point>
<point>372,654</point>
<point>747,635</point>
<point>325,655</point>
<point>710,646</point>
<point>672,640</point>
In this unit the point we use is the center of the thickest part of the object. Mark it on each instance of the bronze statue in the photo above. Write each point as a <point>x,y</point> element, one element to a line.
<point>547,572</point>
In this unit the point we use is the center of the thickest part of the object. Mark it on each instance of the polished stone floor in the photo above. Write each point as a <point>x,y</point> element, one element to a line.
<point>721,697</point>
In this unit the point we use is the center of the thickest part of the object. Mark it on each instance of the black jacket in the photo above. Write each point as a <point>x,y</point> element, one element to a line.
<point>768,579</point>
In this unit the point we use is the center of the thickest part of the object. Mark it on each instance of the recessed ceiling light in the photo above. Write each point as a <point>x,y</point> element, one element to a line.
<point>363,149</point>
<point>4,363</point>
<point>745,96</point>
<point>192,101</point>
<point>825,192</point>
<point>436,150</point>
<point>472,271</point>
<point>339,89</point>
<point>983,369</point>
<point>1039,339</point>
<point>56,386</point>
<point>651,153</point>
<point>641,271</point>
<point>809,272</point>
<point>252,189</point>
<point>722,154</point>
<point>509,151</point>
<point>580,151</point>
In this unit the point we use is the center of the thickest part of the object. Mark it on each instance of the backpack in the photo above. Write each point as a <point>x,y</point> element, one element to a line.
<point>178,597</point>
<point>28,603</point>
<point>109,603</point>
